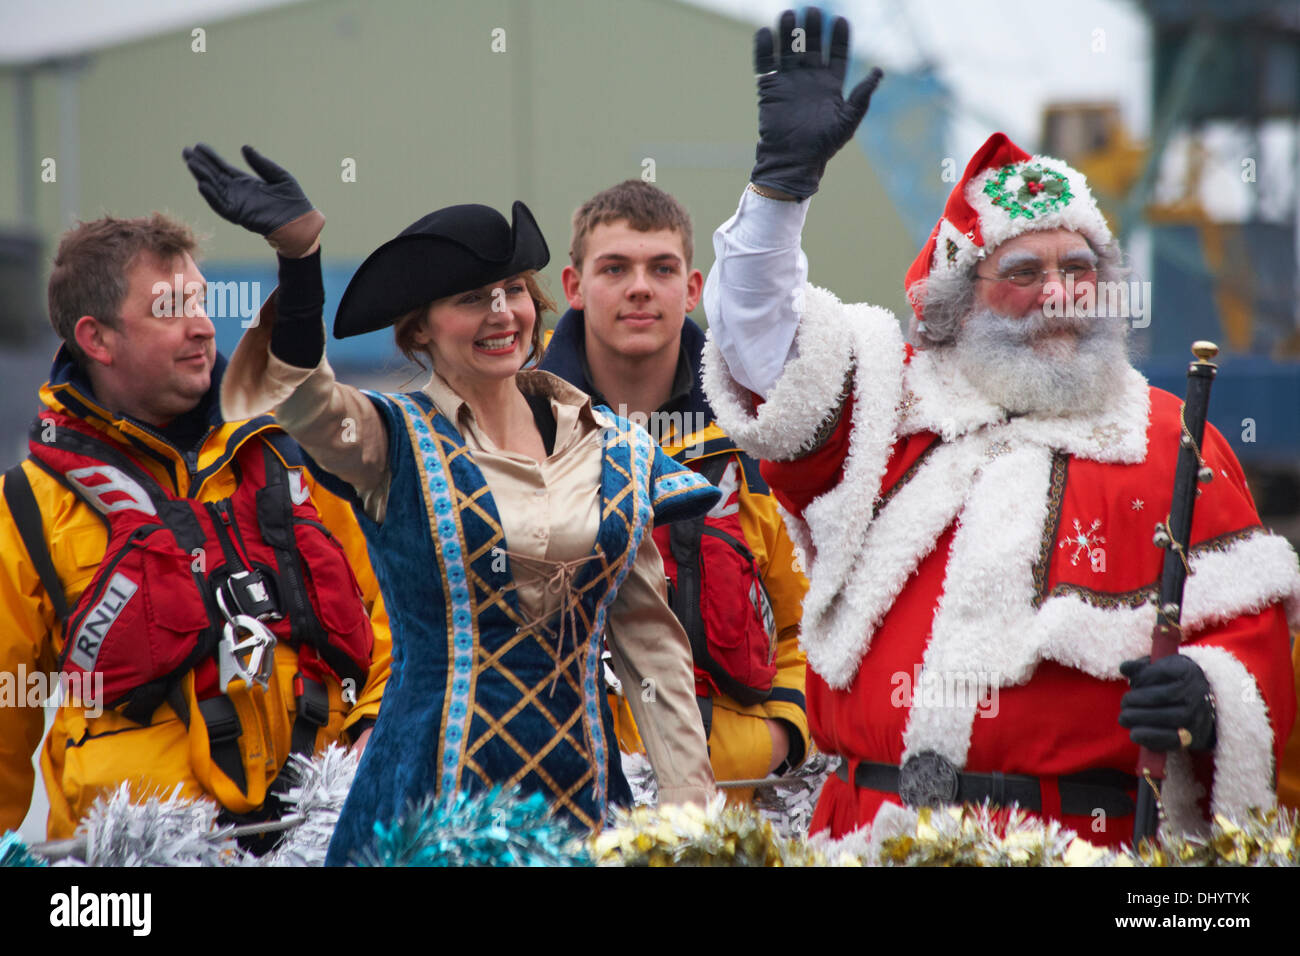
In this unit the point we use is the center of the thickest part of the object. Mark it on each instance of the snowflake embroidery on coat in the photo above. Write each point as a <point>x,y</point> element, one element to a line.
<point>1084,542</point>
<point>1107,435</point>
<point>997,449</point>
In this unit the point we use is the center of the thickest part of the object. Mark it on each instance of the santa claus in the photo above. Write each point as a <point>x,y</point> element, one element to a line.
<point>976,504</point>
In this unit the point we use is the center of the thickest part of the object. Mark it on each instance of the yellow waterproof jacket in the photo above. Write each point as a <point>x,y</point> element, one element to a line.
<point>740,745</point>
<point>87,754</point>
<point>1288,775</point>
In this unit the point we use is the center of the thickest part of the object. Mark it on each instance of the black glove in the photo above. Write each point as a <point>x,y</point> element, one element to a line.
<point>803,119</point>
<point>1170,695</point>
<point>273,205</point>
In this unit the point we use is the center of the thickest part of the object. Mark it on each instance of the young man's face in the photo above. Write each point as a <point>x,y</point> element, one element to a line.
<point>635,289</point>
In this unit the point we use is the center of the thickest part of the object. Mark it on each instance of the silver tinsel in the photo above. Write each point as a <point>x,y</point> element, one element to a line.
<point>180,831</point>
<point>641,778</point>
<point>315,801</point>
<point>162,831</point>
<point>787,806</point>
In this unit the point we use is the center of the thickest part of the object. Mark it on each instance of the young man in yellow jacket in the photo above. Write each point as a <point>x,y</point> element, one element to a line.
<point>170,571</point>
<point>627,341</point>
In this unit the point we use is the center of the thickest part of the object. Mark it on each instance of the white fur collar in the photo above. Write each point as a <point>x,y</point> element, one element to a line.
<point>807,393</point>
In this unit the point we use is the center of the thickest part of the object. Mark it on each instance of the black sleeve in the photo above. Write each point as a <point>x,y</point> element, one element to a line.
<point>795,757</point>
<point>359,728</point>
<point>298,337</point>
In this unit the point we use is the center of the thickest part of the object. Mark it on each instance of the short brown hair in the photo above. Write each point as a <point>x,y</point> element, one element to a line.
<point>646,207</point>
<point>404,328</point>
<point>90,268</point>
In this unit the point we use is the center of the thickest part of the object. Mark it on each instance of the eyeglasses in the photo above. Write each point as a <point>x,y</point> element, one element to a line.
<point>1075,272</point>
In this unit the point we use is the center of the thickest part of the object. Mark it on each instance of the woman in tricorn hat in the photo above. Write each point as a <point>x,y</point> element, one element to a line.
<point>504,514</point>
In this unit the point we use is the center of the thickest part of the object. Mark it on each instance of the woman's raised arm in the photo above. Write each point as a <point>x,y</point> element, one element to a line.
<point>280,362</point>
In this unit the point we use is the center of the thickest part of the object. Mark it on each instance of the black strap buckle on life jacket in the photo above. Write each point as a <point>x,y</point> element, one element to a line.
<point>313,709</point>
<point>249,593</point>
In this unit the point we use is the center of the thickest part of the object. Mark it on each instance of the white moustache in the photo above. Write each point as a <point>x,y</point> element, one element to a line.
<point>998,355</point>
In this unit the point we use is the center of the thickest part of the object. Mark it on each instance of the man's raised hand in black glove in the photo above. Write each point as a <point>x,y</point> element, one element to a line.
<point>271,204</point>
<point>803,117</point>
<point>1169,705</point>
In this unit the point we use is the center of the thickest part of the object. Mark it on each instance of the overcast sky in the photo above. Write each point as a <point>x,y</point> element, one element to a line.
<point>35,29</point>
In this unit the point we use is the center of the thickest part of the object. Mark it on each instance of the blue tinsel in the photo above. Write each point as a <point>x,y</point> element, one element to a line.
<point>14,852</point>
<point>486,829</point>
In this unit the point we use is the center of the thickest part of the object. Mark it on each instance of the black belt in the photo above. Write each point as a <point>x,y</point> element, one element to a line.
<point>1082,794</point>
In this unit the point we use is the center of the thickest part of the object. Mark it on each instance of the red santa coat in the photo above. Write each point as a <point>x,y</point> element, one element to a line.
<point>976,580</point>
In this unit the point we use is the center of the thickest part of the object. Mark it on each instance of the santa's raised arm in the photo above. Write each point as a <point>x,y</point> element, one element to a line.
<point>976,504</point>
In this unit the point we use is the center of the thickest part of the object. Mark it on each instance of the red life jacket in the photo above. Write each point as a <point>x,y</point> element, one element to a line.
<point>151,613</point>
<point>716,590</point>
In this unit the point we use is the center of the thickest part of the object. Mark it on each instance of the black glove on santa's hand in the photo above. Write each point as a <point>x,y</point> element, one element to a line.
<point>803,117</point>
<point>271,204</point>
<point>1170,695</point>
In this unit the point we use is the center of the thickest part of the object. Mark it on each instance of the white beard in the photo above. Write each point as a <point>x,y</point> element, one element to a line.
<point>1016,366</point>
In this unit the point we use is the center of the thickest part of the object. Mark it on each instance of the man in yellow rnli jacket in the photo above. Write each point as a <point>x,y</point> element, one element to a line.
<point>132,403</point>
<point>627,341</point>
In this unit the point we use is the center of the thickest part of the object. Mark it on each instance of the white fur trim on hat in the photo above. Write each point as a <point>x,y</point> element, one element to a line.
<point>1080,214</point>
<point>955,251</point>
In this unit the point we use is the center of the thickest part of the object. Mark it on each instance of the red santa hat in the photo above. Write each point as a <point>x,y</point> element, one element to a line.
<point>1004,193</point>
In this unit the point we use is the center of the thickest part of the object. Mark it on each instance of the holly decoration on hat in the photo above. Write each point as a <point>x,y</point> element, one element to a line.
<point>1034,190</point>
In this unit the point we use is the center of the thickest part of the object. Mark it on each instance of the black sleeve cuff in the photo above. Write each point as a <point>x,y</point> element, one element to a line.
<point>298,337</point>
<point>795,756</point>
<point>359,728</point>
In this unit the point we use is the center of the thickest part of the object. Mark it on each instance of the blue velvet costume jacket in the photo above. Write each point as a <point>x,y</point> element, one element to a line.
<point>476,696</point>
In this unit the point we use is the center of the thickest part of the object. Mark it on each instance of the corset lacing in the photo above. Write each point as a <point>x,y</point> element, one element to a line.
<point>558,579</point>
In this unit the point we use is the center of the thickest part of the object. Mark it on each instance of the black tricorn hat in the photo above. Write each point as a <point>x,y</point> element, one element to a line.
<point>451,250</point>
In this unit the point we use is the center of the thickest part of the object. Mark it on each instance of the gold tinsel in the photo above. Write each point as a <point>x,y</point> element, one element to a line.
<point>951,836</point>
<point>694,836</point>
<point>1264,838</point>
<point>970,836</point>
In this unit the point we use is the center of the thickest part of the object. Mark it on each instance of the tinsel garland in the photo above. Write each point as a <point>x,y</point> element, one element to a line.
<point>717,835</point>
<point>790,806</point>
<point>315,800</point>
<point>492,829</point>
<point>13,852</point>
<point>161,831</point>
<point>979,836</point>
<point>180,831</point>
<point>505,829</point>
<point>951,836</point>
<point>1269,838</point>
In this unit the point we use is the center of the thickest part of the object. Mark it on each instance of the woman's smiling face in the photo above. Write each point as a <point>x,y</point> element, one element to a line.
<point>483,333</point>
